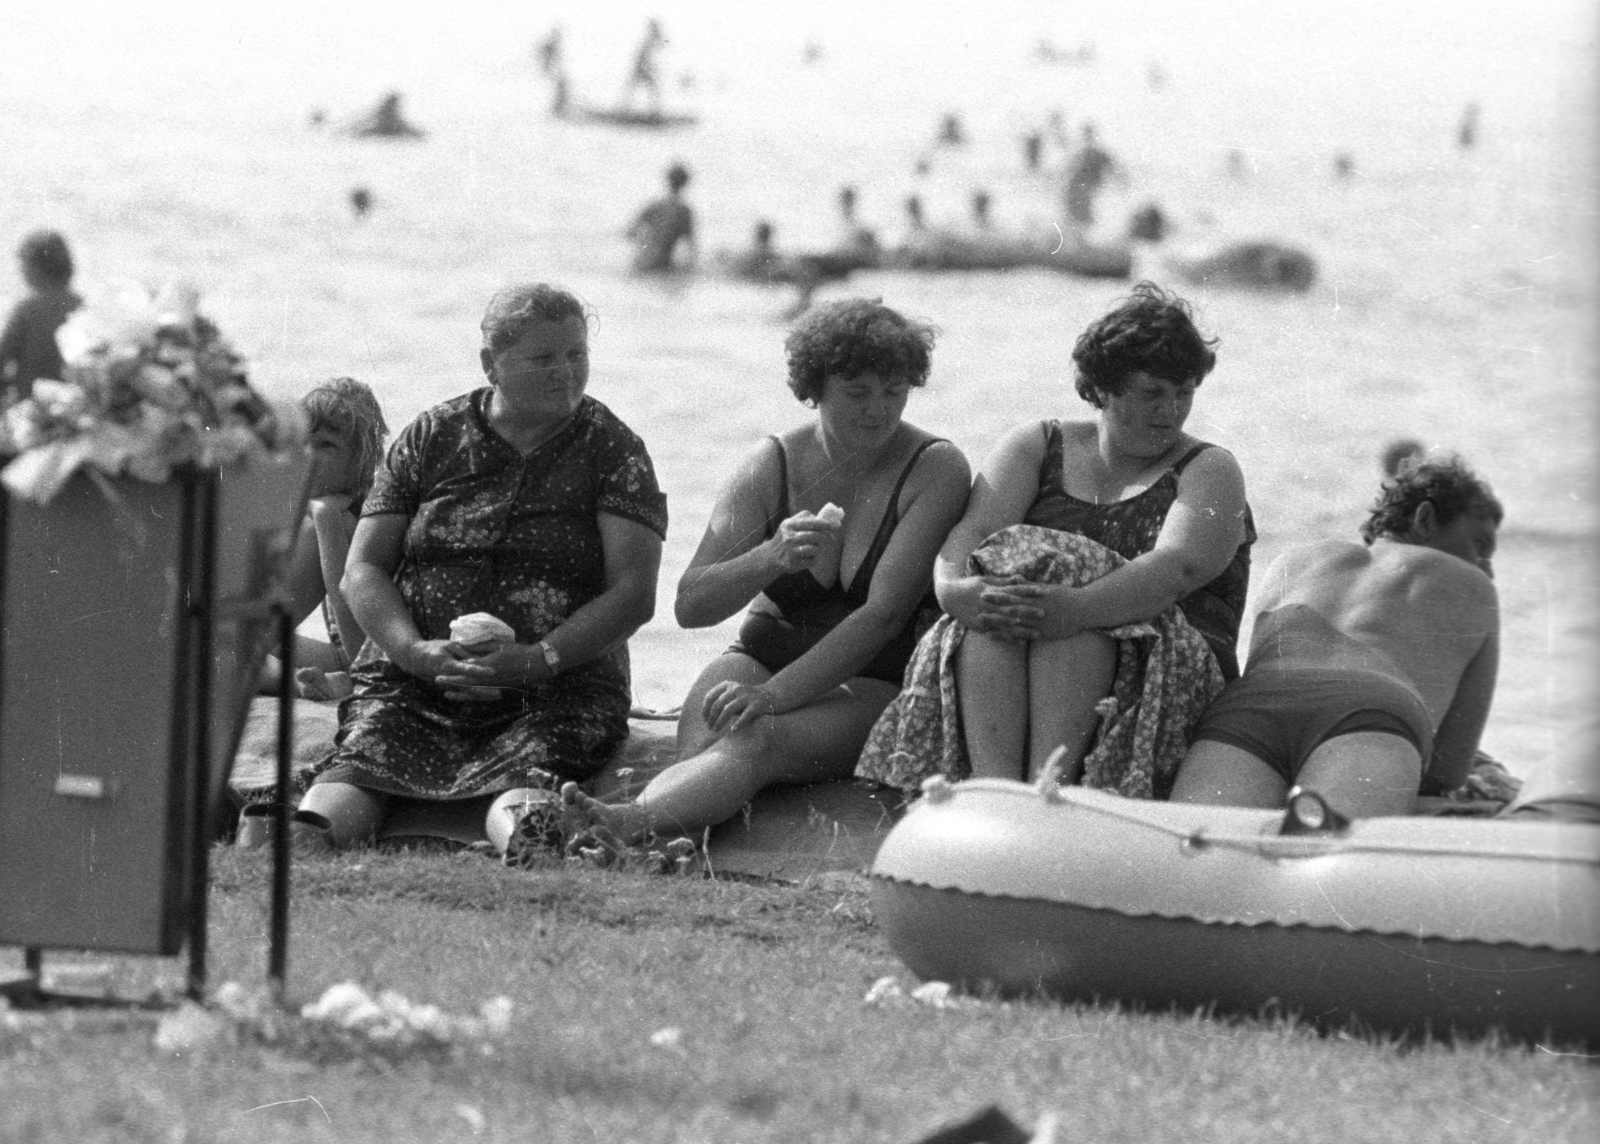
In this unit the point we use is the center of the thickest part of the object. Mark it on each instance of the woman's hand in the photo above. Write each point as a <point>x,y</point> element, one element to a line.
<point>800,541</point>
<point>730,705</point>
<point>1012,608</point>
<point>332,503</point>
<point>481,677</point>
<point>448,665</point>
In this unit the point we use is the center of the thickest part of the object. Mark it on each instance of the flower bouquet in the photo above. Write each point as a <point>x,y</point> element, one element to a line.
<point>148,385</point>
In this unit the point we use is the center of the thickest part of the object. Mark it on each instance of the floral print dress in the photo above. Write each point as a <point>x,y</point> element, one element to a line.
<point>1167,670</point>
<point>492,530</point>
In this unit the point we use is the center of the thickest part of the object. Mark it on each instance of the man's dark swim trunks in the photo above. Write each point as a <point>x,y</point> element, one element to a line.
<point>1281,715</point>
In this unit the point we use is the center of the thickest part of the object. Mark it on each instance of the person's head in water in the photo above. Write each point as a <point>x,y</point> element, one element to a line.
<point>1441,503</point>
<point>855,336</point>
<point>677,177</point>
<point>980,208</point>
<point>763,235</point>
<point>1150,331</point>
<point>1399,452</point>
<point>46,261</point>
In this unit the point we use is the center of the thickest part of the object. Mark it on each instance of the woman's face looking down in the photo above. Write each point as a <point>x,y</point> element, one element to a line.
<point>1147,417</point>
<point>542,375</point>
<point>863,410</point>
<point>335,465</point>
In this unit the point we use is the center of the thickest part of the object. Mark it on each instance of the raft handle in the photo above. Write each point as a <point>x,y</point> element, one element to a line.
<point>1309,813</point>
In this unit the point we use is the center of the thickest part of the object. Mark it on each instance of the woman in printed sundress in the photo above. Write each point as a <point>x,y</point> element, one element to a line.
<point>527,500</point>
<point>1094,585</point>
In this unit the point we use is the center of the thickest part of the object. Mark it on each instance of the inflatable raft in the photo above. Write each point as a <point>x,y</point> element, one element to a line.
<point>1421,926</point>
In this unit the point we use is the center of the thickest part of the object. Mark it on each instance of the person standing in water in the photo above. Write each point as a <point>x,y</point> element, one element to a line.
<point>662,225</point>
<point>1088,171</point>
<point>28,345</point>
<point>644,67</point>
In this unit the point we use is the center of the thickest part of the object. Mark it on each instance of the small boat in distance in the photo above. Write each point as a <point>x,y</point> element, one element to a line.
<point>628,117</point>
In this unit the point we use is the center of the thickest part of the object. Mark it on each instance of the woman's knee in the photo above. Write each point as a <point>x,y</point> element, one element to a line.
<point>346,814</point>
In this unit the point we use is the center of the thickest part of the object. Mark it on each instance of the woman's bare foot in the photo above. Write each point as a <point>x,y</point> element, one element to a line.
<point>315,683</point>
<point>624,823</point>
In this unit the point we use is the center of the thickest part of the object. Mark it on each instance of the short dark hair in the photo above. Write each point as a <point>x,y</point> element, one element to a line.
<point>677,176</point>
<point>511,311</point>
<point>45,253</point>
<point>350,408</point>
<point>1150,331</point>
<point>855,336</point>
<point>1445,482</point>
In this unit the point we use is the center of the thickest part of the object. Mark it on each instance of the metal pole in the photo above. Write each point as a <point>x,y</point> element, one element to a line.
<point>278,943</point>
<point>202,602</point>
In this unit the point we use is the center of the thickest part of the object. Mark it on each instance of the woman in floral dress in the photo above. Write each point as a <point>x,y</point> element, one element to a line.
<point>1093,587</point>
<point>527,500</point>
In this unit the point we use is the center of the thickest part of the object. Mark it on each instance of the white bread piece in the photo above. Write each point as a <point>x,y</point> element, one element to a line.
<point>831,514</point>
<point>480,631</point>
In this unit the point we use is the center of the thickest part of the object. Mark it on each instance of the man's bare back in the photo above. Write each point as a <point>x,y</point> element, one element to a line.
<point>1405,610</point>
<point>1371,667</point>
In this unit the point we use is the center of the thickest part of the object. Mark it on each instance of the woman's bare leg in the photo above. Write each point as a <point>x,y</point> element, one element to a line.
<point>1066,678</point>
<point>992,694</point>
<point>693,734</point>
<point>814,743</point>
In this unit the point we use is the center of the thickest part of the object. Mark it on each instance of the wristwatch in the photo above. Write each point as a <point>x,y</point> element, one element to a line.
<point>552,658</point>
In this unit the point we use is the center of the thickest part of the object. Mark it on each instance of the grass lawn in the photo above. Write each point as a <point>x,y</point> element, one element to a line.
<point>678,1009</point>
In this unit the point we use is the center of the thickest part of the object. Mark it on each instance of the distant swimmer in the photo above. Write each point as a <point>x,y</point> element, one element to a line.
<point>28,348</point>
<point>1344,165</point>
<point>548,52</point>
<point>980,210</point>
<point>1258,265</point>
<point>762,263</point>
<point>1032,150</point>
<point>858,243</point>
<point>1091,165</point>
<point>1147,224</point>
<point>644,72</point>
<point>1399,452</point>
<point>360,201</point>
<point>951,133</point>
<point>385,121</point>
<point>662,225</point>
<point>1467,132</point>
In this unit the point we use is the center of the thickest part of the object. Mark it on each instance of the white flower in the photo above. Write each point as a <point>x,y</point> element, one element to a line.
<point>496,1015</point>
<point>336,1002</point>
<point>883,990</point>
<point>934,993</point>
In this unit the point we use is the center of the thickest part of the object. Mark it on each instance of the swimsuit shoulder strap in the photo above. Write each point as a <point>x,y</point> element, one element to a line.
<point>783,487</point>
<point>1050,467</point>
<point>1182,462</point>
<point>891,518</point>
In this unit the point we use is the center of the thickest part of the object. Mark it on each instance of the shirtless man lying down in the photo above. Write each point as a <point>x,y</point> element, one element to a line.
<point>1372,666</point>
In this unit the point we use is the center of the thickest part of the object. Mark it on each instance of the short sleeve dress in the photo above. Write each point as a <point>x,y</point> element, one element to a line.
<point>493,530</point>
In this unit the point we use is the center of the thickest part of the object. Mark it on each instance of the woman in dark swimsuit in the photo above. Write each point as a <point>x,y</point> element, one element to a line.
<point>1088,547</point>
<point>835,606</point>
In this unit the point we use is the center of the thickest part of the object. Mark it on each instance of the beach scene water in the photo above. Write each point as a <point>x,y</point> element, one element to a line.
<point>1454,301</point>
